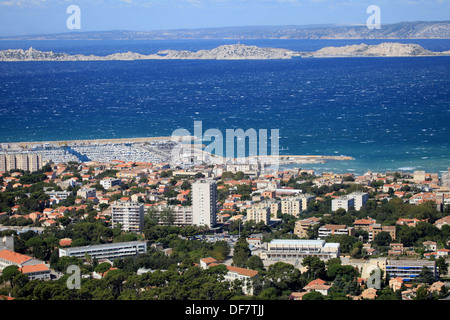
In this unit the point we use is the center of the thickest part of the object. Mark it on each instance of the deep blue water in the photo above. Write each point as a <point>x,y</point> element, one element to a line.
<point>388,113</point>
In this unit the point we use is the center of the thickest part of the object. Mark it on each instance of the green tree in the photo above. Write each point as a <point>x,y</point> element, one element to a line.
<point>421,293</point>
<point>426,275</point>
<point>9,273</point>
<point>316,267</point>
<point>241,253</point>
<point>313,295</point>
<point>284,276</point>
<point>102,268</point>
<point>255,263</point>
<point>382,239</point>
<point>442,265</point>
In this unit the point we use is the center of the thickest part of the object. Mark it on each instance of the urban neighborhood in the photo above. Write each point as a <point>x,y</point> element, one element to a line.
<point>157,231</point>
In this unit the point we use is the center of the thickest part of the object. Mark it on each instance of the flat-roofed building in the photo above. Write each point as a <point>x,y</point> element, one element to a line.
<point>291,206</point>
<point>23,161</point>
<point>128,215</point>
<point>204,202</point>
<point>409,270</point>
<point>274,206</point>
<point>335,229</point>
<point>108,183</point>
<point>59,195</point>
<point>302,226</point>
<point>106,251</point>
<point>344,202</point>
<point>376,228</point>
<point>360,199</point>
<point>299,249</point>
<point>259,213</point>
<point>181,215</point>
<point>87,193</point>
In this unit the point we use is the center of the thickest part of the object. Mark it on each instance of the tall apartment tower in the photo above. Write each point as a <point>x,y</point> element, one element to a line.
<point>3,163</point>
<point>204,203</point>
<point>129,215</point>
<point>360,199</point>
<point>21,161</point>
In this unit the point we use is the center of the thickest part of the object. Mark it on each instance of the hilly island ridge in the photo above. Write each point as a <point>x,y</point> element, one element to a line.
<point>400,30</point>
<point>233,52</point>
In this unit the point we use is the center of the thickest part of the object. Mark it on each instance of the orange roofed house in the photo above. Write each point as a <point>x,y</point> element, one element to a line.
<point>34,268</point>
<point>234,273</point>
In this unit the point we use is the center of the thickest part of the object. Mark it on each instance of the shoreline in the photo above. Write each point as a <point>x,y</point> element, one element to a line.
<point>89,141</point>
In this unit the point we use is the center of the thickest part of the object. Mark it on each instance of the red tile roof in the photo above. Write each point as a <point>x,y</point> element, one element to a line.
<point>14,256</point>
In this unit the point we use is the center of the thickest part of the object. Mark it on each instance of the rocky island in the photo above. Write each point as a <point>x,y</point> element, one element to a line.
<point>386,49</point>
<point>232,52</point>
<point>224,52</point>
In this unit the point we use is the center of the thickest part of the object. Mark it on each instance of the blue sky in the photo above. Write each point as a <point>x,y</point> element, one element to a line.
<point>19,17</point>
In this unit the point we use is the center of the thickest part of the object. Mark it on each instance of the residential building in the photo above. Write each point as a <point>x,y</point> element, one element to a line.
<point>360,199</point>
<point>442,253</point>
<point>419,176</point>
<point>318,285</point>
<point>335,229</point>
<point>182,215</point>
<point>274,206</point>
<point>344,202</point>
<point>204,203</point>
<point>302,226</point>
<point>396,249</point>
<point>408,270</point>
<point>291,206</point>
<point>108,183</point>
<point>364,224</point>
<point>59,195</point>
<point>23,161</point>
<point>259,213</point>
<point>11,258</point>
<point>246,276</point>
<point>106,251</point>
<point>442,222</point>
<point>129,215</point>
<point>430,245</point>
<point>36,272</point>
<point>297,249</point>
<point>376,228</point>
<point>87,193</point>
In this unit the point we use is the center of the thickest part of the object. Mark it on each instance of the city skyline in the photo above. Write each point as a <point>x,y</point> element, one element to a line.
<point>47,17</point>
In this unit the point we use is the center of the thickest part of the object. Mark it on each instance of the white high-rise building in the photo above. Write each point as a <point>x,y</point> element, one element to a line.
<point>204,203</point>
<point>344,202</point>
<point>129,215</point>
<point>360,199</point>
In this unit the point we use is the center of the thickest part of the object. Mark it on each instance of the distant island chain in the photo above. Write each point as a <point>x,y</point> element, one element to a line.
<point>233,52</point>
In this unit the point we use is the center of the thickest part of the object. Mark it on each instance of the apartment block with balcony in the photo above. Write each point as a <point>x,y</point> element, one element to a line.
<point>409,270</point>
<point>335,229</point>
<point>109,251</point>
<point>259,213</point>
<point>282,249</point>
<point>128,215</point>
<point>344,202</point>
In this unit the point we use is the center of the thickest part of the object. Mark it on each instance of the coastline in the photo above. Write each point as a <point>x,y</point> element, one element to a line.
<point>88,141</point>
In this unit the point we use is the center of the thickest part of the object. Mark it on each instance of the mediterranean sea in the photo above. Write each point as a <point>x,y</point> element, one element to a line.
<point>387,113</point>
